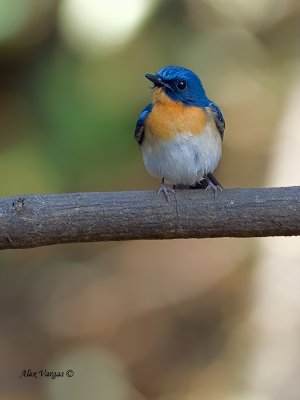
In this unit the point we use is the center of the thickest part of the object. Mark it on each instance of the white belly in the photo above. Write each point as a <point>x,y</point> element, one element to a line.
<point>185,158</point>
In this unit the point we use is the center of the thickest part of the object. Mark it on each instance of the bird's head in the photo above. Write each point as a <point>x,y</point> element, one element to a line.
<point>179,84</point>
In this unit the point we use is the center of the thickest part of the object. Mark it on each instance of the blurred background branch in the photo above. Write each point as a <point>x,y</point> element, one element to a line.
<point>38,220</point>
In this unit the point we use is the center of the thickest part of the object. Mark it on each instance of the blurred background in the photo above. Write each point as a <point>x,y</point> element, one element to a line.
<point>161,320</point>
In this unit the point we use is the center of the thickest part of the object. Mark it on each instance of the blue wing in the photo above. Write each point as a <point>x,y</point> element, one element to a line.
<point>218,117</point>
<point>139,130</point>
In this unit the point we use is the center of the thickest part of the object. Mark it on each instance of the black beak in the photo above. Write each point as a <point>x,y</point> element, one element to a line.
<point>158,82</point>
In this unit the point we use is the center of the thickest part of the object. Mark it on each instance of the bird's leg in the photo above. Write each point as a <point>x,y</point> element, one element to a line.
<point>165,189</point>
<point>212,185</point>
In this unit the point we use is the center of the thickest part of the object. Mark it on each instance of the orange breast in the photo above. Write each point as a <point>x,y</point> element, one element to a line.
<point>169,117</point>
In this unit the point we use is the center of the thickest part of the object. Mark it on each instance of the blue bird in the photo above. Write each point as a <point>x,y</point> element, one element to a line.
<point>181,132</point>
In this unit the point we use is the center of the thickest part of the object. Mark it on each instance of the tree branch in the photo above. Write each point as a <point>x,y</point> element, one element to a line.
<point>39,220</point>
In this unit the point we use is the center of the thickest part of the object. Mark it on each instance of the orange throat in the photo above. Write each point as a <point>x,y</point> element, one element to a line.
<point>169,118</point>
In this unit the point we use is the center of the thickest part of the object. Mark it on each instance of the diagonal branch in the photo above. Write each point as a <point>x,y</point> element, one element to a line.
<point>39,220</point>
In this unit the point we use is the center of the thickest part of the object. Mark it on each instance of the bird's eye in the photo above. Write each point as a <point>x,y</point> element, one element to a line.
<point>181,85</point>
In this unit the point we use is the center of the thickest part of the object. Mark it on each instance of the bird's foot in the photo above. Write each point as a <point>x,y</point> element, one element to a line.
<point>212,186</point>
<point>165,190</point>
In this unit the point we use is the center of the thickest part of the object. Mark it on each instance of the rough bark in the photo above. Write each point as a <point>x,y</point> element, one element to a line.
<point>38,220</point>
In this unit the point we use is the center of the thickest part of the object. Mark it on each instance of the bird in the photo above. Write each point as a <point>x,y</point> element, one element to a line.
<point>180,133</point>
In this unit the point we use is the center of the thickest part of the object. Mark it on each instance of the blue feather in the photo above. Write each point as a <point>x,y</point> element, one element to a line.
<point>219,119</point>
<point>139,129</point>
<point>193,94</point>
